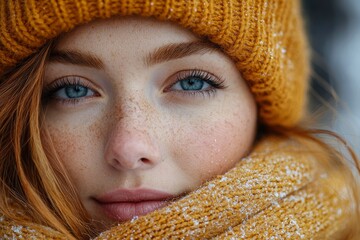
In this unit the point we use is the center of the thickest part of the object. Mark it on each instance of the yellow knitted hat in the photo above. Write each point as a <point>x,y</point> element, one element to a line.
<point>265,38</point>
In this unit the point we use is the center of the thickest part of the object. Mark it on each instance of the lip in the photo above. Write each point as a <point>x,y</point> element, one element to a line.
<point>124,204</point>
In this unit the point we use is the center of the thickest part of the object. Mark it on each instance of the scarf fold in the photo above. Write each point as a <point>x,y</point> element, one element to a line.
<point>277,192</point>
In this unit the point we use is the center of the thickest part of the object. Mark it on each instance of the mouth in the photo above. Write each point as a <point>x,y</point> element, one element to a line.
<point>124,204</point>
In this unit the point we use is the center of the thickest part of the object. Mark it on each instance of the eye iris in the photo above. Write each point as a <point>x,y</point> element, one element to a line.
<point>76,91</point>
<point>191,84</point>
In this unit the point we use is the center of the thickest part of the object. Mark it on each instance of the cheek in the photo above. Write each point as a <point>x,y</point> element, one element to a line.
<point>211,148</point>
<point>72,146</point>
<point>69,145</point>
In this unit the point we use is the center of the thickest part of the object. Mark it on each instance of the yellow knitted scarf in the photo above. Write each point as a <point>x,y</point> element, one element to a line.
<point>278,192</point>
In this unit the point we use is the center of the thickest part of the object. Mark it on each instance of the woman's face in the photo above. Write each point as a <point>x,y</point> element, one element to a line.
<point>142,111</point>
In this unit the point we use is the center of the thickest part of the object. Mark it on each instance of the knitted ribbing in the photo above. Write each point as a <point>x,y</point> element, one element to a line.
<point>278,192</point>
<point>265,38</point>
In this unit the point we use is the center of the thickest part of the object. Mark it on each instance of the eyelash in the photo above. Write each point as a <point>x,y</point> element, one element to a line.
<point>50,90</point>
<point>214,82</point>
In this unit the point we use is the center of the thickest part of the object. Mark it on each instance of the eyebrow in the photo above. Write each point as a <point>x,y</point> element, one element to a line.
<point>179,50</point>
<point>164,53</point>
<point>76,58</point>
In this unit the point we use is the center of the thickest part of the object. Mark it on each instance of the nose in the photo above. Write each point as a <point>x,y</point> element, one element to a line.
<point>130,145</point>
<point>131,149</point>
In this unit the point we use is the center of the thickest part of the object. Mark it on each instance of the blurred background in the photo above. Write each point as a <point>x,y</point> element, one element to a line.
<point>334,31</point>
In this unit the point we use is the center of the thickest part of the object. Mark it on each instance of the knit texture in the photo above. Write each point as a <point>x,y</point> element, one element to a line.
<point>278,192</point>
<point>265,38</point>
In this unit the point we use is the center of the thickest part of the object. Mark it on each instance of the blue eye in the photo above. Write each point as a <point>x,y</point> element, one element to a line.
<point>196,81</point>
<point>70,89</point>
<point>191,84</point>
<point>73,91</point>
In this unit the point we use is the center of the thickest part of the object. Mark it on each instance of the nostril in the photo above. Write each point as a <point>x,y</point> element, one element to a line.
<point>145,160</point>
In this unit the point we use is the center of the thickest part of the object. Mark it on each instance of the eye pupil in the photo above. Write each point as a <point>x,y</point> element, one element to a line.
<point>76,91</point>
<point>192,84</point>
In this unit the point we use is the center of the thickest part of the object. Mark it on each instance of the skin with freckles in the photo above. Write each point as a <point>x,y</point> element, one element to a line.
<point>133,104</point>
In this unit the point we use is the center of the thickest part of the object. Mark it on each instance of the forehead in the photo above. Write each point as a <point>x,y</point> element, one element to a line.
<point>124,33</point>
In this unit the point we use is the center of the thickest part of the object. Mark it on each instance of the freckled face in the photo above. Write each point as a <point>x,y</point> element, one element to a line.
<point>136,105</point>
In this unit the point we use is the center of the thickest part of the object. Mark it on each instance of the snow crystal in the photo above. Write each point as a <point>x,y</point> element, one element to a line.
<point>339,211</point>
<point>16,229</point>
<point>280,194</point>
<point>134,218</point>
<point>223,179</point>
